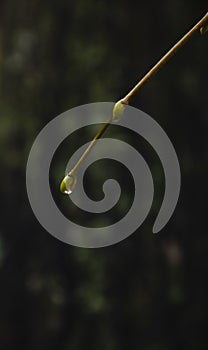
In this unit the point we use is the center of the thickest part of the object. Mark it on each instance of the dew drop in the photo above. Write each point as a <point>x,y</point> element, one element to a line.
<point>68,184</point>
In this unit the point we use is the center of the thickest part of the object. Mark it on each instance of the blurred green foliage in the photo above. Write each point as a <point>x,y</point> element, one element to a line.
<point>148,292</point>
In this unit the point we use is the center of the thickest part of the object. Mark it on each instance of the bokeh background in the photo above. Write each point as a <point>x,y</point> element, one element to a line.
<point>150,291</point>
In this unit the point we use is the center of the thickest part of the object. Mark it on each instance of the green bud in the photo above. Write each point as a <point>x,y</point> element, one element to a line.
<point>68,183</point>
<point>118,110</point>
<point>204,29</point>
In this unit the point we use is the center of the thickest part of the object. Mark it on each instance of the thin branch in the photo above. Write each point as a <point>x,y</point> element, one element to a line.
<point>124,101</point>
<point>92,143</point>
<point>165,58</point>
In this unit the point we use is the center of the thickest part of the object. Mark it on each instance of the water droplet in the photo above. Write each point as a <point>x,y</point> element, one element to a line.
<point>68,184</point>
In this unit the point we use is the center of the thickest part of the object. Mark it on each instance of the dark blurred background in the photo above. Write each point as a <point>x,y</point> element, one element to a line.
<point>149,291</point>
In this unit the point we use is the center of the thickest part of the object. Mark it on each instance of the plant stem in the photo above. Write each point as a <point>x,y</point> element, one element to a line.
<point>165,58</point>
<point>92,143</point>
<point>138,86</point>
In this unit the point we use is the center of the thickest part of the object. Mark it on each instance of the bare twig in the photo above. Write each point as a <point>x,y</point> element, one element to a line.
<point>119,106</point>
